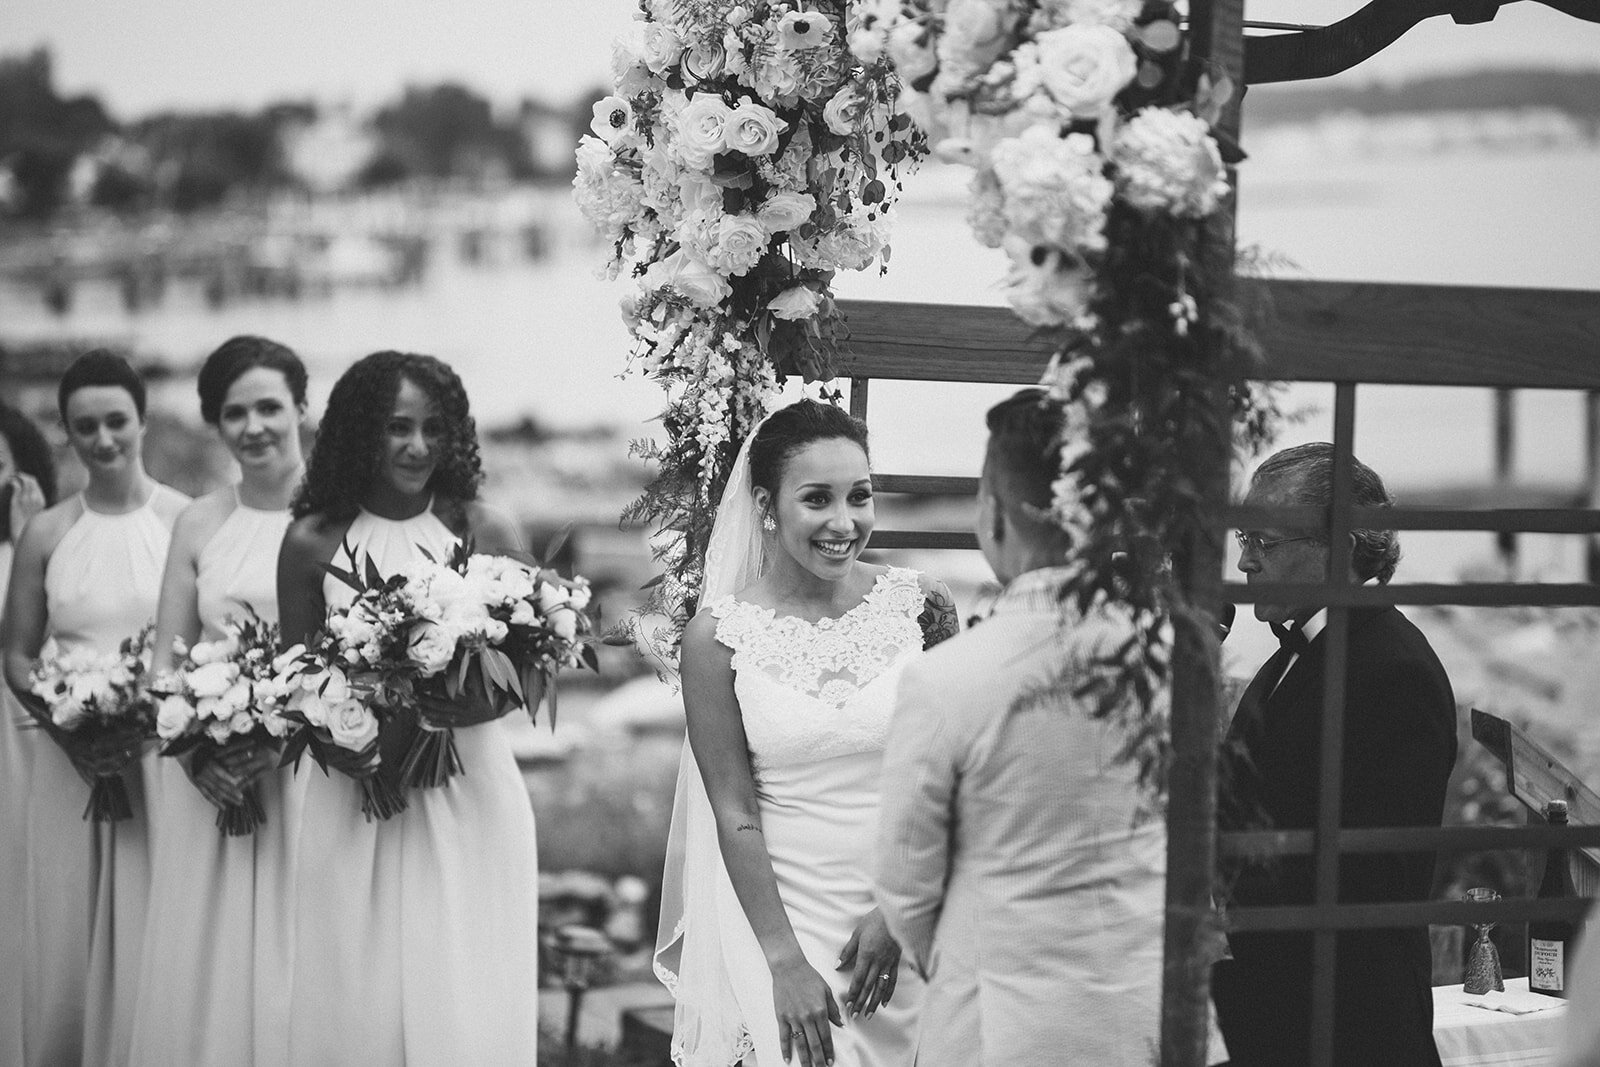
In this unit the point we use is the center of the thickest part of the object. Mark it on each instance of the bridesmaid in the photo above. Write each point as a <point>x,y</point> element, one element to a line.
<point>27,486</point>
<point>87,573</point>
<point>216,961</point>
<point>415,937</point>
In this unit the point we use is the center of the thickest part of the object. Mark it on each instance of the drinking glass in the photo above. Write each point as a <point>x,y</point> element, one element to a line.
<point>1483,960</point>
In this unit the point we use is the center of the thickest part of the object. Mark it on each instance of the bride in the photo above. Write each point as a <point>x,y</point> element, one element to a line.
<point>770,939</point>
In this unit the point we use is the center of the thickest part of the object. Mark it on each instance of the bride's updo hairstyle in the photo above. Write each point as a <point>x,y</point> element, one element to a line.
<point>237,355</point>
<point>1024,454</point>
<point>349,448</point>
<point>790,429</point>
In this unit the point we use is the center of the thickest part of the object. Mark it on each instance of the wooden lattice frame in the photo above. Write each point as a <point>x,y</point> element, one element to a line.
<point>1347,335</point>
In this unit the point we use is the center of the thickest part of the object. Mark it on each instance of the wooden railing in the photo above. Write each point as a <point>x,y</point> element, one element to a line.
<point>1536,777</point>
<point>1350,335</point>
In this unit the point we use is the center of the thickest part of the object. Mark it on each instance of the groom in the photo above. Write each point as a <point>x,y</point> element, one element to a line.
<point>1009,867</point>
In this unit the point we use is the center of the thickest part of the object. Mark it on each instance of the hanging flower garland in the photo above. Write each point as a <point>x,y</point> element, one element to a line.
<point>750,151</point>
<point>1096,164</point>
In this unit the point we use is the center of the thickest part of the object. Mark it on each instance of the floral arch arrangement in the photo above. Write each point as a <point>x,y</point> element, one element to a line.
<point>1090,127</point>
<point>750,152</point>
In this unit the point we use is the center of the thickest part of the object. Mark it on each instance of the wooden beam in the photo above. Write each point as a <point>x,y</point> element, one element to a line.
<point>1328,50</point>
<point>1536,777</point>
<point>1319,331</point>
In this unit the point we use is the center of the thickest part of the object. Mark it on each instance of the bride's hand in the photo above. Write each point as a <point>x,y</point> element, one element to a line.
<point>805,1007</point>
<point>875,957</point>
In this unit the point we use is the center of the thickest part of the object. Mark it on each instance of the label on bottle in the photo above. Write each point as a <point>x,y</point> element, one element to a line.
<point>1547,967</point>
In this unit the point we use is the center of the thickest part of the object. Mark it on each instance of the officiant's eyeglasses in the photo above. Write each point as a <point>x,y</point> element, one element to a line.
<point>1247,541</point>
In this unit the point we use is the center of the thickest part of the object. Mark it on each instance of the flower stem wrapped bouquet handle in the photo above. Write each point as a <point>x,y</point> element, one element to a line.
<point>751,150</point>
<point>226,702</point>
<point>441,645</point>
<point>95,706</point>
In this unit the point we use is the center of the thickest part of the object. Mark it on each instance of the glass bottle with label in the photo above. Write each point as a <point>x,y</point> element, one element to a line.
<point>1551,941</point>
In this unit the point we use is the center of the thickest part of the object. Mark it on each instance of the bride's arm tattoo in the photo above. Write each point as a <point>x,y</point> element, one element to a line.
<point>747,826</point>
<point>938,620</point>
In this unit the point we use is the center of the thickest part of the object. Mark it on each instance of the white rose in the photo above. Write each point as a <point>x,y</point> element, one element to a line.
<point>799,30</point>
<point>846,111</point>
<point>286,661</point>
<point>702,127</point>
<point>798,302</point>
<point>219,731</point>
<point>706,60</point>
<point>241,723</point>
<point>564,623</point>
<point>352,725</point>
<point>612,119</point>
<point>210,652</point>
<point>691,279</point>
<point>1082,67</point>
<point>524,614</point>
<point>752,129</point>
<point>784,211</point>
<point>578,596</point>
<point>211,679</point>
<point>235,700</point>
<point>173,717</point>
<point>908,48</point>
<point>741,239</point>
<point>659,46</point>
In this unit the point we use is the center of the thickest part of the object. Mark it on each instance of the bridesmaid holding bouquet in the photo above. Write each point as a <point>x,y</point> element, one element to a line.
<point>217,940</point>
<point>27,486</point>
<point>416,936</point>
<point>87,573</point>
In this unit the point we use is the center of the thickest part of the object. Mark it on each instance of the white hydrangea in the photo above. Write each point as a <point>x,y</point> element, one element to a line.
<point>852,243</point>
<point>1055,190</point>
<point>1046,286</point>
<point>608,195</point>
<point>986,209</point>
<point>1168,161</point>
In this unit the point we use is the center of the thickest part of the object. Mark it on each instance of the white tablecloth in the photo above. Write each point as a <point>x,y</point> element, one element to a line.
<point>1477,1037</point>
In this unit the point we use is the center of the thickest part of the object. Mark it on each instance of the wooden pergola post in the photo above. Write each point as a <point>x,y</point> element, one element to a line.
<point>1217,34</point>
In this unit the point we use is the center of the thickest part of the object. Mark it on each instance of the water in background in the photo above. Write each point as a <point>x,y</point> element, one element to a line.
<point>544,337</point>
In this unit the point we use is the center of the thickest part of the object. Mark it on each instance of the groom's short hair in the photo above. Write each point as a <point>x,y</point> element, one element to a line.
<point>1024,454</point>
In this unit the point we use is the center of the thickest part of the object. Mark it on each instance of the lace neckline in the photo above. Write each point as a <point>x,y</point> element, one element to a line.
<point>827,622</point>
<point>830,659</point>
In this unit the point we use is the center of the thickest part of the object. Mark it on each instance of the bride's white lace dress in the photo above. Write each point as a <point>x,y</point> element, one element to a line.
<point>816,699</point>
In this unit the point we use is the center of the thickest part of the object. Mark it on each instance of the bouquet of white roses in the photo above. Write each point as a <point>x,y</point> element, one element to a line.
<point>452,643</point>
<point>227,699</point>
<point>96,708</point>
<point>349,682</point>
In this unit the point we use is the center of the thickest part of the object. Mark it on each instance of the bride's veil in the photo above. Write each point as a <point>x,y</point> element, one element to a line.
<point>704,938</point>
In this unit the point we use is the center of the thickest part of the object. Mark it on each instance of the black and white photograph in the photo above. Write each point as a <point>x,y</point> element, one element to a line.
<point>833,533</point>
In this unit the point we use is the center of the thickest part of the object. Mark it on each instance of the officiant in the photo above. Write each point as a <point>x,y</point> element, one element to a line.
<point>1399,747</point>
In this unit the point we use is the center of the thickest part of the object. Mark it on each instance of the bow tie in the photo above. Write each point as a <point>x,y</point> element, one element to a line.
<point>1291,638</point>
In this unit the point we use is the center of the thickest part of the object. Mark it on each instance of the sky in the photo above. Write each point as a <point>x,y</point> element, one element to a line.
<point>145,55</point>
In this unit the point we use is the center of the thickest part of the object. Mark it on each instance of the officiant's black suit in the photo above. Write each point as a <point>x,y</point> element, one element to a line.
<point>1399,747</point>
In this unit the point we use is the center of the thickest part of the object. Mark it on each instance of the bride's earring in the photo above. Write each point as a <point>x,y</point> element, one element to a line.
<point>767,523</point>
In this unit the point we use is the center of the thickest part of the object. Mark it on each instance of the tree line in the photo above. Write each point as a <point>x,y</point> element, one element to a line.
<point>57,150</point>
